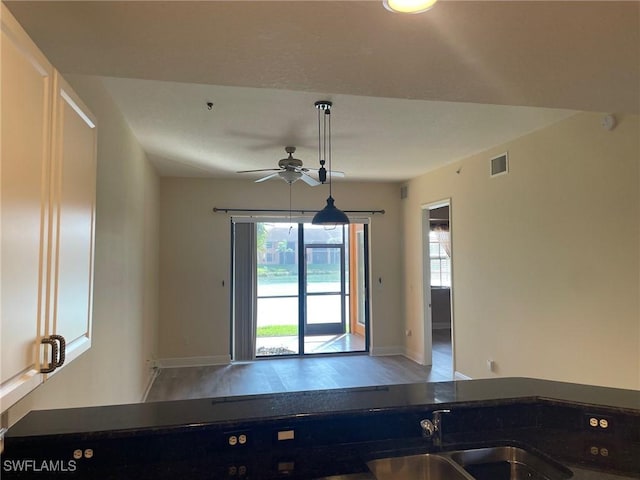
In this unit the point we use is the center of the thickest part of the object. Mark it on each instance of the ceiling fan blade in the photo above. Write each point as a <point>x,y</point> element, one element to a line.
<point>261,170</point>
<point>309,180</point>
<point>336,173</point>
<point>268,177</point>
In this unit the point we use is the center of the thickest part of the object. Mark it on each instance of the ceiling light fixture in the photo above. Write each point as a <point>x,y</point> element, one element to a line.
<point>408,6</point>
<point>330,214</point>
<point>290,176</point>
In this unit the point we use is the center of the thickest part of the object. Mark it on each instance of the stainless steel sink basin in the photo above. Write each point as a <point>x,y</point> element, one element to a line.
<point>495,463</point>
<point>508,463</point>
<point>423,467</point>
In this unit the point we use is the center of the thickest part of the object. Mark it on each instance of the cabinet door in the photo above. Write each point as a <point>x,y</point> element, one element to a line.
<point>25,132</point>
<point>73,215</point>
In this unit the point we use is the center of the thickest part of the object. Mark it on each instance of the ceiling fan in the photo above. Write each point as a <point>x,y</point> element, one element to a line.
<point>290,170</point>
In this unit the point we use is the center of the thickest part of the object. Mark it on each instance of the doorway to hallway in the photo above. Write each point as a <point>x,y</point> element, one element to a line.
<point>438,287</point>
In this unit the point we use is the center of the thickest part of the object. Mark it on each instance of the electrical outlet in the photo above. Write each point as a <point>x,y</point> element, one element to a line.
<point>598,452</point>
<point>596,422</point>
<point>237,471</point>
<point>237,439</point>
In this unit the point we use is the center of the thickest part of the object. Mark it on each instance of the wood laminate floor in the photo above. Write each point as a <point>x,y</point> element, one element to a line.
<point>293,374</point>
<point>441,352</point>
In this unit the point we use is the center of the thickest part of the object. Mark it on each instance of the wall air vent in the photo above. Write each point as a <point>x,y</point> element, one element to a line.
<point>499,165</point>
<point>404,192</point>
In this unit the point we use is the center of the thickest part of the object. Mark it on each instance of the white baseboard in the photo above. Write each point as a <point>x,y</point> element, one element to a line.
<point>193,361</point>
<point>386,351</point>
<point>417,357</point>
<point>152,376</point>
<point>461,376</point>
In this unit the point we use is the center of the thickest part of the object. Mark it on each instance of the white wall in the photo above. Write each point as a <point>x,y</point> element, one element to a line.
<point>545,259</point>
<point>125,305</point>
<point>195,255</point>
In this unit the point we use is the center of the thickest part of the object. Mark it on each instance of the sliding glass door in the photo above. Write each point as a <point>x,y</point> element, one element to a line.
<point>304,299</point>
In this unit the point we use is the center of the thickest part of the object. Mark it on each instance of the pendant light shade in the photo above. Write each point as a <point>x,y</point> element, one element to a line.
<point>330,214</point>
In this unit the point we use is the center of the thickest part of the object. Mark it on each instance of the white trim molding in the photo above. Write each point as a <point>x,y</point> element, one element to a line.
<point>152,377</point>
<point>386,351</point>
<point>415,356</point>
<point>461,376</point>
<point>193,361</point>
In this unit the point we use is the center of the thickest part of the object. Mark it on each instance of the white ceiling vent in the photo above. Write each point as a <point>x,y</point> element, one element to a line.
<point>499,165</point>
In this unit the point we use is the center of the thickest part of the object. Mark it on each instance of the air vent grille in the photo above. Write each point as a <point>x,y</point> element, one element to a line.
<point>499,165</point>
<point>404,192</point>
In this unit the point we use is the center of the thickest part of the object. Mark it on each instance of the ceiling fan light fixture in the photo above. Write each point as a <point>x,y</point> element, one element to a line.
<point>330,215</point>
<point>408,6</point>
<point>290,176</point>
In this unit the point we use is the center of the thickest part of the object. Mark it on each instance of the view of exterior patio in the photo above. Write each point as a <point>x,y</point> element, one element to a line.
<point>321,324</point>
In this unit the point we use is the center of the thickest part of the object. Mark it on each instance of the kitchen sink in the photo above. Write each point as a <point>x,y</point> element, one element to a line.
<point>508,463</point>
<point>495,463</point>
<point>427,466</point>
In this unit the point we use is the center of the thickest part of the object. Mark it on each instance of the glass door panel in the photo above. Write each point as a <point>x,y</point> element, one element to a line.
<point>277,312</point>
<point>324,290</point>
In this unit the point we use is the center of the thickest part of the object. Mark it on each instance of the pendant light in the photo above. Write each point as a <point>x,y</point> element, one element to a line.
<point>330,214</point>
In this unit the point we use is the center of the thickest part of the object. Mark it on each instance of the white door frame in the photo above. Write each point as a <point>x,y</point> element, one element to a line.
<point>426,281</point>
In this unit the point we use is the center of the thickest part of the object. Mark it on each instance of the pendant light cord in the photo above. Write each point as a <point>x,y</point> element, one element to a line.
<point>290,185</point>
<point>319,139</point>
<point>328,114</point>
<point>324,140</point>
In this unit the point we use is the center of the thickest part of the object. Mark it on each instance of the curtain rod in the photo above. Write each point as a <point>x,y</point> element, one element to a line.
<point>302,212</point>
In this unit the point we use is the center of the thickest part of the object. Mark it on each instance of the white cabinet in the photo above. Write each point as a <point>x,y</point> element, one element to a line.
<point>47,209</point>
<point>73,191</point>
<point>26,91</point>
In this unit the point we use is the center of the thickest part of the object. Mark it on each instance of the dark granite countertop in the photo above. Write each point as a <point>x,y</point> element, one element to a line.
<point>181,413</point>
<point>336,431</point>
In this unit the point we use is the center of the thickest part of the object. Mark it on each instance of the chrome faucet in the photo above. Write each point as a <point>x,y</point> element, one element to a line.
<point>433,428</point>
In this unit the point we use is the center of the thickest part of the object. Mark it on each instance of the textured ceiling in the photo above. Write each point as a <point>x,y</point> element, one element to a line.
<point>373,138</point>
<point>456,63</point>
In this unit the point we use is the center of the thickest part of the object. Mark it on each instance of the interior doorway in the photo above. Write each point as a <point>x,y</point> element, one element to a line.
<point>438,286</point>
